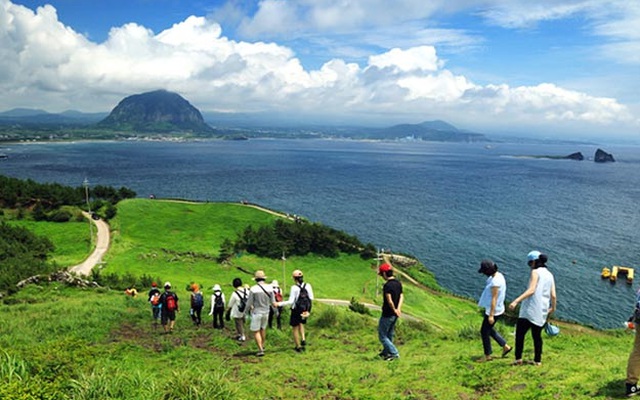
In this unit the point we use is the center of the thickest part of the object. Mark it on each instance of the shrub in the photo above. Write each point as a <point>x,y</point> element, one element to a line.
<point>328,317</point>
<point>358,307</point>
<point>60,216</point>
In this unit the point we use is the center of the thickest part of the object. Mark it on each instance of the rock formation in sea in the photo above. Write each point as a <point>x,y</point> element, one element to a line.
<point>602,156</point>
<point>575,156</point>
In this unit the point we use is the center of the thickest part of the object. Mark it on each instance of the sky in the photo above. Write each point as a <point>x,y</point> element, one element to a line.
<point>563,69</point>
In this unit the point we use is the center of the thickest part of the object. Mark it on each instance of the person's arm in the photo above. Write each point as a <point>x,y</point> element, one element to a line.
<point>400,302</point>
<point>533,283</point>
<point>293,295</point>
<point>213,302</point>
<point>495,290</point>
<point>553,298</point>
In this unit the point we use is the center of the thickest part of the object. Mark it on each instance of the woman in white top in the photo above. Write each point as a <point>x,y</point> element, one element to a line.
<point>298,315</point>
<point>492,300</point>
<point>538,301</point>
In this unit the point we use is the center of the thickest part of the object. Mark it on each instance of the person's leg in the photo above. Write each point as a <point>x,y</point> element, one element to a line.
<point>271,317</point>
<point>536,333</point>
<point>279,318</point>
<point>495,335</point>
<point>385,334</point>
<point>296,336</point>
<point>239,322</point>
<point>303,338</point>
<point>258,337</point>
<point>522,326</point>
<point>164,320</point>
<point>485,333</point>
<point>172,320</point>
<point>633,365</point>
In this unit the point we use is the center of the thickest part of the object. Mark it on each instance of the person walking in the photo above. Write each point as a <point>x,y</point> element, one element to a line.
<point>392,299</point>
<point>197,303</point>
<point>217,307</point>
<point>169,301</point>
<point>156,305</point>
<point>492,300</point>
<point>237,307</point>
<point>260,300</point>
<point>538,302</point>
<point>633,364</point>
<point>276,311</point>
<point>300,300</point>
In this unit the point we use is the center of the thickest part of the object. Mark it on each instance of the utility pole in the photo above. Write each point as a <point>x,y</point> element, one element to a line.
<point>85,183</point>
<point>284,275</point>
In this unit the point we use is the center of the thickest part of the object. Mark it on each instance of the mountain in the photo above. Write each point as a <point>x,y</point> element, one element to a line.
<point>22,112</point>
<point>159,111</point>
<point>438,131</point>
<point>30,117</point>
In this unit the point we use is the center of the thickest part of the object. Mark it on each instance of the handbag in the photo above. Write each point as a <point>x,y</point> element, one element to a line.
<point>227,315</point>
<point>551,330</point>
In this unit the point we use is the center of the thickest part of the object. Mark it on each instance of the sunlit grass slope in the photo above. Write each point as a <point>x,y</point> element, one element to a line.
<point>65,343</point>
<point>71,239</point>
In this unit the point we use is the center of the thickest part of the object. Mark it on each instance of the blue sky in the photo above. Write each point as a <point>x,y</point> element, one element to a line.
<point>559,68</point>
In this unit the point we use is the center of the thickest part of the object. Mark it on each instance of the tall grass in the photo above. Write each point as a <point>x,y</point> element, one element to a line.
<point>68,343</point>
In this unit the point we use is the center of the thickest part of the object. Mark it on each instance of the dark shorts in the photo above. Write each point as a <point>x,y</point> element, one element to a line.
<point>167,316</point>
<point>296,319</point>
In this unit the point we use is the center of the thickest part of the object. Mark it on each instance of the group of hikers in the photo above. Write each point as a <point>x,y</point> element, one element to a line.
<point>262,302</point>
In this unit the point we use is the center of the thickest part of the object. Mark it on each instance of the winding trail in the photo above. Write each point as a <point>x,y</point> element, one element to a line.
<point>102,246</point>
<point>103,240</point>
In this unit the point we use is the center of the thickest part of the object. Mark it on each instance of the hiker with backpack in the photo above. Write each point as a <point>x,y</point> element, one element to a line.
<point>300,300</point>
<point>237,306</point>
<point>260,300</point>
<point>197,302</point>
<point>154,300</point>
<point>275,311</point>
<point>217,307</point>
<point>169,301</point>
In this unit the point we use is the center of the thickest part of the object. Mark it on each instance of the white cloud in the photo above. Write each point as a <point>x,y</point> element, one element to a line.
<point>47,65</point>
<point>421,58</point>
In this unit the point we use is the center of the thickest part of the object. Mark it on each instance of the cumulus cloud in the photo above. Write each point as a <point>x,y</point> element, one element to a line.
<point>45,64</point>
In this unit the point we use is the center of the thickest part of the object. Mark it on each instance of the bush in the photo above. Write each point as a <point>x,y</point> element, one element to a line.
<point>60,216</point>
<point>358,307</point>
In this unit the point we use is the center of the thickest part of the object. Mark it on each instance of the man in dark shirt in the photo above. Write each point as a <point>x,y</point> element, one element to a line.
<point>391,311</point>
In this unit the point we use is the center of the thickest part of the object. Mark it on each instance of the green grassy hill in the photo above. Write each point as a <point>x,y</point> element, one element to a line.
<point>69,343</point>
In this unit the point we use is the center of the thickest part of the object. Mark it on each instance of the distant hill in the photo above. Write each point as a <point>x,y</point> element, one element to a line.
<point>30,116</point>
<point>159,111</point>
<point>438,131</point>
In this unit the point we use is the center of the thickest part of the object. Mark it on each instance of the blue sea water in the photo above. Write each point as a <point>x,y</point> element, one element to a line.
<point>450,205</point>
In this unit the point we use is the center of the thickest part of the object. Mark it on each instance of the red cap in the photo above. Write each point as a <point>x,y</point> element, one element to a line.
<point>153,284</point>
<point>384,268</point>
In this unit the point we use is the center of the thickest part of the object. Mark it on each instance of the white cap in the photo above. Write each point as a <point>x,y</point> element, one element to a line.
<point>274,283</point>
<point>216,288</point>
<point>533,255</point>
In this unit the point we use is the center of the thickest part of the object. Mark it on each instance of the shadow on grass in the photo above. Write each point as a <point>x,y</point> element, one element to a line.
<point>613,389</point>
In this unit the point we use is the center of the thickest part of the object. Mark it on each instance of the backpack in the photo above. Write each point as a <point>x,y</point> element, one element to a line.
<point>198,301</point>
<point>243,301</point>
<point>155,299</point>
<point>170,300</point>
<point>303,302</point>
<point>218,304</point>
<point>278,296</point>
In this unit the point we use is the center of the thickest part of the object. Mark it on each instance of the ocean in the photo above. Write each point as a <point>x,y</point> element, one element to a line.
<point>448,204</point>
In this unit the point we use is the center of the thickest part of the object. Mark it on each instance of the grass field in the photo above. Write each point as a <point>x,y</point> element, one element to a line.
<point>68,343</point>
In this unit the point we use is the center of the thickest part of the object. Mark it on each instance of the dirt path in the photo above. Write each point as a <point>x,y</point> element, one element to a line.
<point>102,245</point>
